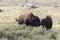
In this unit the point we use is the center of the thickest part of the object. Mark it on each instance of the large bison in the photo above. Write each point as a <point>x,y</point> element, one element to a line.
<point>47,22</point>
<point>29,19</point>
<point>25,18</point>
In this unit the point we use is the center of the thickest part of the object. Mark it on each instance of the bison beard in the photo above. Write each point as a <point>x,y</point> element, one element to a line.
<point>47,22</point>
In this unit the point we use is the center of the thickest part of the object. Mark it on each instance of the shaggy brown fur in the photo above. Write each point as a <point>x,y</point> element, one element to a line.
<point>25,18</point>
<point>47,22</point>
<point>36,21</point>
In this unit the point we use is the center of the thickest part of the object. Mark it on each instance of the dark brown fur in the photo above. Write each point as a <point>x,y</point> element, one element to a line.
<point>47,22</point>
<point>36,21</point>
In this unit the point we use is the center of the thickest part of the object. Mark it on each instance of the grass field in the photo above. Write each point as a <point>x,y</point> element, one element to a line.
<point>11,30</point>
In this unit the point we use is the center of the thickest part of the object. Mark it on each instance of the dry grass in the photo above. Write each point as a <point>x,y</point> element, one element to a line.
<point>10,30</point>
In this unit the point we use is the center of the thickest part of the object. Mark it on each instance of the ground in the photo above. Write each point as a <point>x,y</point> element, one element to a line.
<point>11,30</point>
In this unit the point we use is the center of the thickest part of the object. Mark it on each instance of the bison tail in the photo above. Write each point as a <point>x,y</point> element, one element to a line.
<point>16,19</point>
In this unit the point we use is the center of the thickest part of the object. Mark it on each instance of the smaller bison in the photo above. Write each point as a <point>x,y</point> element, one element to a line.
<point>25,18</point>
<point>47,22</point>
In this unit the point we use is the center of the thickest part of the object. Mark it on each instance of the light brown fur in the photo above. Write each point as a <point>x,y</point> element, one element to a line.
<point>25,18</point>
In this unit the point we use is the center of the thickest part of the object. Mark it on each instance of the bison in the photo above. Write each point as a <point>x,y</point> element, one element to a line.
<point>29,19</point>
<point>47,22</point>
<point>25,18</point>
